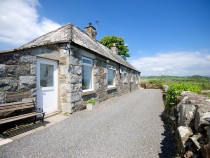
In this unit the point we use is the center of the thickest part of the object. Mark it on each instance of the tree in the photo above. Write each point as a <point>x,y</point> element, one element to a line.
<point>108,41</point>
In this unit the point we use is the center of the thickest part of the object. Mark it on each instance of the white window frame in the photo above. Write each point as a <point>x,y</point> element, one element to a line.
<point>90,65</point>
<point>137,79</point>
<point>132,78</point>
<point>114,80</point>
<point>125,77</point>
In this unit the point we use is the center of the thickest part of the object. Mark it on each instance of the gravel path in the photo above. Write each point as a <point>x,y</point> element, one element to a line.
<point>128,126</point>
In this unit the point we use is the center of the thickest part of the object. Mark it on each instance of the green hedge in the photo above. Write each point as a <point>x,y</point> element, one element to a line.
<point>176,89</point>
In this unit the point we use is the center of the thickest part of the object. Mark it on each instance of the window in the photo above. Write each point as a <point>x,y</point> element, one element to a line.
<point>137,79</point>
<point>125,77</point>
<point>131,78</point>
<point>46,75</point>
<point>111,76</point>
<point>87,77</point>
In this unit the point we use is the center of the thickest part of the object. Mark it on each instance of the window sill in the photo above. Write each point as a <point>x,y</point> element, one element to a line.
<point>111,88</point>
<point>88,92</point>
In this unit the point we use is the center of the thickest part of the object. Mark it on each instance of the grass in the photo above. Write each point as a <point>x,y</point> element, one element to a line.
<point>200,81</point>
<point>208,95</point>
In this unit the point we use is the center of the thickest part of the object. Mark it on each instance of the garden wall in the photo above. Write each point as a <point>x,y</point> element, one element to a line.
<point>192,125</point>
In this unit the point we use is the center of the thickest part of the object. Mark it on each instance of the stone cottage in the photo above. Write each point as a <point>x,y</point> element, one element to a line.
<point>64,68</point>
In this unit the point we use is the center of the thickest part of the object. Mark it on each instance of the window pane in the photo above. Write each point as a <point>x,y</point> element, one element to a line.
<point>86,61</point>
<point>111,74</point>
<point>86,77</point>
<point>46,75</point>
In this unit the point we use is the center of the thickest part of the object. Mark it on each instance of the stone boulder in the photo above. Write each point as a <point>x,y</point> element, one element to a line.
<point>193,125</point>
<point>165,88</point>
<point>186,114</point>
<point>184,134</point>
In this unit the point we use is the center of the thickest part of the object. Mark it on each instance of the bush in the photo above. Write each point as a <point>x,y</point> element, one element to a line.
<point>157,82</point>
<point>176,89</point>
<point>91,101</point>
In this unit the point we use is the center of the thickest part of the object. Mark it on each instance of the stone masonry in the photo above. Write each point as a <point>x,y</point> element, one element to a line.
<point>18,76</point>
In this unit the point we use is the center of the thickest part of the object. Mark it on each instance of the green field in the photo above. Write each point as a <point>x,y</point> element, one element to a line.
<point>201,81</point>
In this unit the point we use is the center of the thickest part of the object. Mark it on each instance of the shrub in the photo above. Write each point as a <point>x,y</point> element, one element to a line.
<point>157,82</point>
<point>208,95</point>
<point>91,101</point>
<point>176,89</point>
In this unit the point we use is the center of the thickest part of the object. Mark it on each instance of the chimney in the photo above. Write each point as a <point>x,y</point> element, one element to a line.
<point>91,31</point>
<point>114,48</point>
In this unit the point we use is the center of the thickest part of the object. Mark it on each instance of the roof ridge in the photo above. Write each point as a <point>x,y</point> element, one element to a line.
<point>71,33</point>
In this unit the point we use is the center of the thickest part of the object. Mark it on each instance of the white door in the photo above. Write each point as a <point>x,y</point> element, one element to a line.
<point>47,85</point>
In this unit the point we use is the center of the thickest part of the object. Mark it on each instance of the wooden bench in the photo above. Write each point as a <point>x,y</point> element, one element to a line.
<point>28,108</point>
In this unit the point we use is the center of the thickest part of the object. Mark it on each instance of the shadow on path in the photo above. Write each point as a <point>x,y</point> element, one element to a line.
<point>167,144</point>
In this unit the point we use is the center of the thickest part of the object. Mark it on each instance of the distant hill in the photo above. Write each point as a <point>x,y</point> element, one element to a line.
<point>201,81</point>
<point>194,77</point>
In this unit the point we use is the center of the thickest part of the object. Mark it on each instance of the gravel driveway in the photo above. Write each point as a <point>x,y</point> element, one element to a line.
<point>128,126</point>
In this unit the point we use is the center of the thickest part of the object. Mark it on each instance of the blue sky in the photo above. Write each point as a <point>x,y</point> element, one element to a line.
<point>165,37</point>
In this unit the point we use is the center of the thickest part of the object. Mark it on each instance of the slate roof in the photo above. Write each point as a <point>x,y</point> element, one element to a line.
<point>70,33</point>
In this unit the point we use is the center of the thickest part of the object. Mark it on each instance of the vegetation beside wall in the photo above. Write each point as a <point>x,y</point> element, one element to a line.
<point>176,89</point>
<point>200,81</point>
<point>177,85</point>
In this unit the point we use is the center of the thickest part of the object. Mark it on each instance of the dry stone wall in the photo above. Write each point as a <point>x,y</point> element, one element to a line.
<point>192,119</point>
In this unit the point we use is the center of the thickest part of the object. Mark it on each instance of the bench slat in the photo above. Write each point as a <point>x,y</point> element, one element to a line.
<point>19,117</point>
<point>17,108</point>
<point>18,105</point>
<point>14,107</point>
<point>15,103</point>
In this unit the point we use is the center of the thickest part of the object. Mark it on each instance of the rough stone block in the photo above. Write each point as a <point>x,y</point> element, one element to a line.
<point>66,108</point>
<point>74,78</point>
<point>75,97</point>
<point>186,114</point>
<point>33,69</point>
<point>65,88</point>
<point>64,69</point>
<point>75,88</point>
<point>64,53</point>
<point>96,86</point>
<point>78,106</point>
<point>95,72</point>
<point>205,119</point>
<point>3,70</point>
<point>18,70</point>
<point>33,92</point>
<point>74,61</point>
<point>8,84</point>
<point>27,82</point>
<point>2,97</point>
<point>77,70</point>
<point>28,59</point>
<point>184,133</point>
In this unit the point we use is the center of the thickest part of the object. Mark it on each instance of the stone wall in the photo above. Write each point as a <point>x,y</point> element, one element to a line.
<point>192,125</point>
<point>101,91</point>
<point>18,76</point>
<point>18,72</point>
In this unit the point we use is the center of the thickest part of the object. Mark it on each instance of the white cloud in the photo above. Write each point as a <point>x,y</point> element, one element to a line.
<point>174,63</point>
<point>20,22</point>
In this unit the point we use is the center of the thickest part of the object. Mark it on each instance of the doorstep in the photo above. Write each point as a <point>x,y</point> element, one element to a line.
<point>50,120</point>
